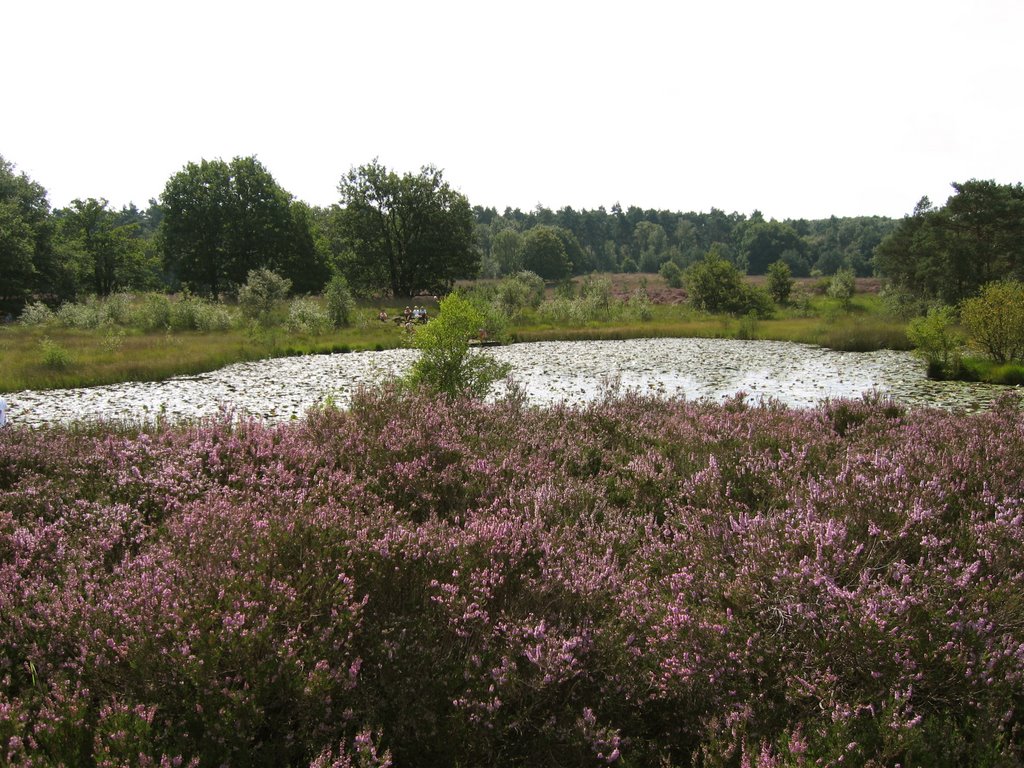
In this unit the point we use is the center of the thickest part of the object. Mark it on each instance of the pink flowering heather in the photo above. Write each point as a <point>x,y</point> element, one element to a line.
<point>431,583</point>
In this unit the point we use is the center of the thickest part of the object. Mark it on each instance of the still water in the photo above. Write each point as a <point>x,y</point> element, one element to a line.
<point>797,375</point>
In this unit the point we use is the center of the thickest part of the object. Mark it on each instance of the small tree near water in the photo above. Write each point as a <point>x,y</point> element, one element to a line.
<point>446,365</point>
<point>995,320</point>
<point>261,293</point>
<point>936,339</point>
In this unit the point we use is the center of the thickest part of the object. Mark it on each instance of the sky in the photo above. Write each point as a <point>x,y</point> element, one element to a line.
<point>795,108</point>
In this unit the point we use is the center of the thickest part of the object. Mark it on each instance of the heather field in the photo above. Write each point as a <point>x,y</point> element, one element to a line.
<point>416,582</point>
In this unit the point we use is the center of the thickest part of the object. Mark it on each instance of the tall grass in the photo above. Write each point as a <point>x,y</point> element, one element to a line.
<point>152,337</point>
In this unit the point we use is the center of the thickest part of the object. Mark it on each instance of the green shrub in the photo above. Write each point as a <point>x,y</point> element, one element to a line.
<point>716,285</point>
<point>340,304</point>
<point>85,315</point>
<point>446,364</point>
<point>780,281</point>
<point>261,293</point>
<point>640,305</point>
<point>192,313</point>
<point>842,286</point>
<point>36,314</point>
<point>936,339</point>
<point>672,273</point>
<point>54,355</point>
<point>995,320</point>
<point>514,294</point>
<point>153,312</point>
<point>307,316</point>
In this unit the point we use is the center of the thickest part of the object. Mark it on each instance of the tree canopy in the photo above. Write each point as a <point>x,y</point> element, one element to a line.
<point>25,238</point>
<point>221,220</point>
<point>949,253</point>
<point>405,234</point>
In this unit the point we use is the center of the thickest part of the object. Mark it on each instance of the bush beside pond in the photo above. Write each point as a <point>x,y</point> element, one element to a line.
<point>636,582</point>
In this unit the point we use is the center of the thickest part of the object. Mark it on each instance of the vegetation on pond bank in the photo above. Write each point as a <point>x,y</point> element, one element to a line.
<point>150,337</point>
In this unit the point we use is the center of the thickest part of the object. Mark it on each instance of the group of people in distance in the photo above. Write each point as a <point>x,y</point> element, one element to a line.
<point>410,316</point>
<point>417,314</point>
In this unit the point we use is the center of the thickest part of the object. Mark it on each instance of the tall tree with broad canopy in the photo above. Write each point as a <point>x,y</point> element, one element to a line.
<point>102,250</point>
<point>544,253</point>
<point>27,265</point>
<point>405,234</point>
<point>222,220</point>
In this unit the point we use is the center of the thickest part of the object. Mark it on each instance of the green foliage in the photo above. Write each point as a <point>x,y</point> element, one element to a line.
<point>262,292</point>
<point>36,313</point>
<point>765,242</point>
<point>948,253</point>
<point>194,313</point>
<point>544,253</point>
<point>305,315</point>
<point>101,250</point>
<point>639,305</point>
<point>651,245</point>
<point>995,320</point>
<point>446,365</point>
<point>780,281</point>
<point>507,250</point>
<point>54,356</point>
<point>27,260</point>
<point>340,304</point>
<point>153,311</point>
<point>629,266</point>
<point>672,273</point>
<point>521,291</point>
<point>716,285</point>
<point>842,287</point>
<point>936,339</point>
<point>406,234</point>
<point>94,312</point>
<point>222,220</point>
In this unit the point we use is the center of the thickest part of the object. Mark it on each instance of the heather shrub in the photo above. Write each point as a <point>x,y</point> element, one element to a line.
<point>433,582</point>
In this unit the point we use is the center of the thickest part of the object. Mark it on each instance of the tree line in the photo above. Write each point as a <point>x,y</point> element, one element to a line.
<point>403,234</point>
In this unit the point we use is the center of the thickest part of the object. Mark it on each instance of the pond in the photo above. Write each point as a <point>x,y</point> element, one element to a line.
<point>797,375</point>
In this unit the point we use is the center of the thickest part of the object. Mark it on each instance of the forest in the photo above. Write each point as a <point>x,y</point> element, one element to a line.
<point>215,221</point>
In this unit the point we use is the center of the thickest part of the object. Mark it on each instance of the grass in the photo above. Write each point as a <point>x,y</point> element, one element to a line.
<point>864,327</point>
<point>30,355</point>
<point>51,357</point>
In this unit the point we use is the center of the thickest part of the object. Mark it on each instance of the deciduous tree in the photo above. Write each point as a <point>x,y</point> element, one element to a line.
<point>222,220</point>
<point>544,253</point>
<point>103,252</point>
<point>26,256</point>
<point>995,320</point>
<point>405,234</point>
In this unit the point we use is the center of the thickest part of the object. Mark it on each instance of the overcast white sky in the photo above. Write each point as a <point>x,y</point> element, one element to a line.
<point>798,108</point>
